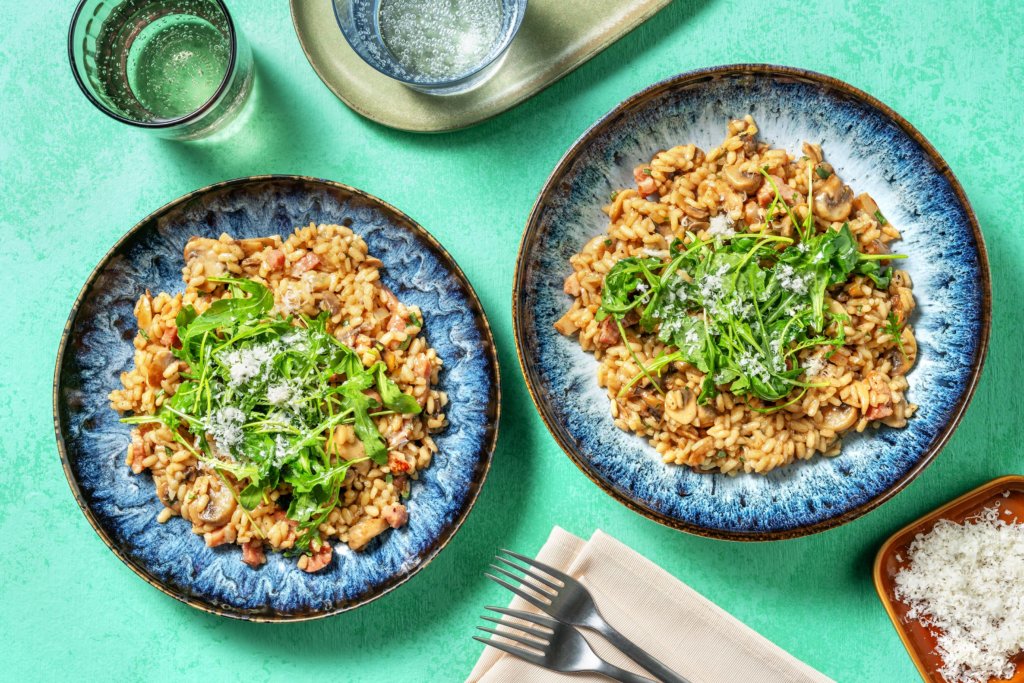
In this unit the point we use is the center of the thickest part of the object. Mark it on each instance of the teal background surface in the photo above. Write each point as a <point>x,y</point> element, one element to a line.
<point>73,181</point>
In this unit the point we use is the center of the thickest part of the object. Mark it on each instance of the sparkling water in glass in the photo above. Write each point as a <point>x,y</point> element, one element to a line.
<point>440,47</point>
<point>176,67</point>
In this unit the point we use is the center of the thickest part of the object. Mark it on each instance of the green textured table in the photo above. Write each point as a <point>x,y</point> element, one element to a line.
<point>73,181</point>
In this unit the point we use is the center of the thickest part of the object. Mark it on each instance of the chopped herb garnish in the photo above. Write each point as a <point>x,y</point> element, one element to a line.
<point>415,320</point>
<point>892,328</point>
<point>880,218</point>
<point>646,171</point>
<point>607,243</point>
<point>263,397</point>
<point>145,335</point>
<point>614,195</point>
<point>822,172</point>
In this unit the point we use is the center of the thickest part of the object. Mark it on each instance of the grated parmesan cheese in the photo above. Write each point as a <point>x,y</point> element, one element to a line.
<point>813,366</point>
<point>721,225</point>
<point>789,280</point>
<point>965,583</point>
<point>225,426</point>
<point>279,393</point>
<point>245,364</point>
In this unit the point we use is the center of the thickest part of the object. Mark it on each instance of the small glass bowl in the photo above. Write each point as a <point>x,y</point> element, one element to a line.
<point>360,25</point>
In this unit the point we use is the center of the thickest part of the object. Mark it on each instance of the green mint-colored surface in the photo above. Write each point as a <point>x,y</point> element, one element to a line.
<point>73,181</point>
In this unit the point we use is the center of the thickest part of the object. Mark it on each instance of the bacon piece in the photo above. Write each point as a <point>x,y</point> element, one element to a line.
<point>275,259</point>
<point>395,514</point>
<point>397,465</point>
<point>308,262</point>
<point>318,560</point>
<point>609,333</point>
<point>767,193</point>
<point>252,553</point>
<point>170,338</point>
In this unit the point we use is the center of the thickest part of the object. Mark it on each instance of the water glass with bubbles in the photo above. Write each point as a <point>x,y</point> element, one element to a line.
<point>177,68</point>
<point>440,47</point>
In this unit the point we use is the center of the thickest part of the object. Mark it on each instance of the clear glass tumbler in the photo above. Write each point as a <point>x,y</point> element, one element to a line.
<point>439,47</point>
<point>177,68</point>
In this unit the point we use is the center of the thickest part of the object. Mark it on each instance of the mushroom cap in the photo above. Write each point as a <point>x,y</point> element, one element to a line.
<point>833,201</point>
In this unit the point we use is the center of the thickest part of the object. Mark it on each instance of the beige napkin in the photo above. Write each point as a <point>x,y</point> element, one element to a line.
<point>671,621</point>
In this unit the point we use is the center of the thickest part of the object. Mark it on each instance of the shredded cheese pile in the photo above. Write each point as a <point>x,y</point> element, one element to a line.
<point>966,583</point>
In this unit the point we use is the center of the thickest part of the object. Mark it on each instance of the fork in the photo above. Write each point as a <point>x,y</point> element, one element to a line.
<point>569,602</point>
<point>554,645</point>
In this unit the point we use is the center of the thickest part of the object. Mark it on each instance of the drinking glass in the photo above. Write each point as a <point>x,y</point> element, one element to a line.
<point>439,47</point>
<point>177,68</point>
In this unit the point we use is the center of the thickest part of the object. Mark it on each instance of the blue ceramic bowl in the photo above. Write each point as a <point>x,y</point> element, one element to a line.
<point>873,149</point>
<point>97,347</point>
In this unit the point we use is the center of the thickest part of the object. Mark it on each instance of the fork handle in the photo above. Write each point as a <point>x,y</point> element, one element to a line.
<point>637,654</point>
<point>616,674</point>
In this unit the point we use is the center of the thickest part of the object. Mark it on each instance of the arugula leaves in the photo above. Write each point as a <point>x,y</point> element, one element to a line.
<point>741,308</point>
<point>263,397</point>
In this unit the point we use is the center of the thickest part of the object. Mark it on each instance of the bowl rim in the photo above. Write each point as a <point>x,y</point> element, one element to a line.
<point>683,81</point>
<point>900,537</point>
<point>225,610</point>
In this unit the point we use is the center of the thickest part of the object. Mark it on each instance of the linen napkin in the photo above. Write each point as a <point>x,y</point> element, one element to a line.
<point>685,631</point>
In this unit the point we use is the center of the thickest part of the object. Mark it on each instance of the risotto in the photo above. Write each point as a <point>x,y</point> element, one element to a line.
<point>285,399</point>
<point>743,307</point>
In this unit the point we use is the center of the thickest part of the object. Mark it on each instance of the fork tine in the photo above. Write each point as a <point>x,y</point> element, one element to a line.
<point>536,602</point>
<point>525,582</point>
<point>532,617</point>
<point>515,637</point>
<point>564,578</point>
<point>526,571</point>
<point>520,627</point>
<point>531,657</point>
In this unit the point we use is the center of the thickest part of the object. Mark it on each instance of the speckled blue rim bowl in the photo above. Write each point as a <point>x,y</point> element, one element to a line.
<point>875,150</point>
<point>97,346</point>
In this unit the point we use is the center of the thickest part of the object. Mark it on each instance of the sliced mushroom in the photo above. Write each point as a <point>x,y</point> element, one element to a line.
<point>696,212</point>
<point>743,178</point>
<point>565,324</point>
<point>364,531</point>
<point>752,213</point>
<point>812,152</point>
<point>900,278</point>
<point>255,245</point>
<point>834,201</point>
<point>681,406</point>
<point>706,415</point>
<point>343,442</point>
<point>219,506</point>
<point>841,418</point>
<point>330,303</point>
<point>155,372</point>
<point>901,299</point>
<point>144,311</point>
<point>864,203</point>
<point>903,360</point>
<point>163,492</point>
<point>571,286</point>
